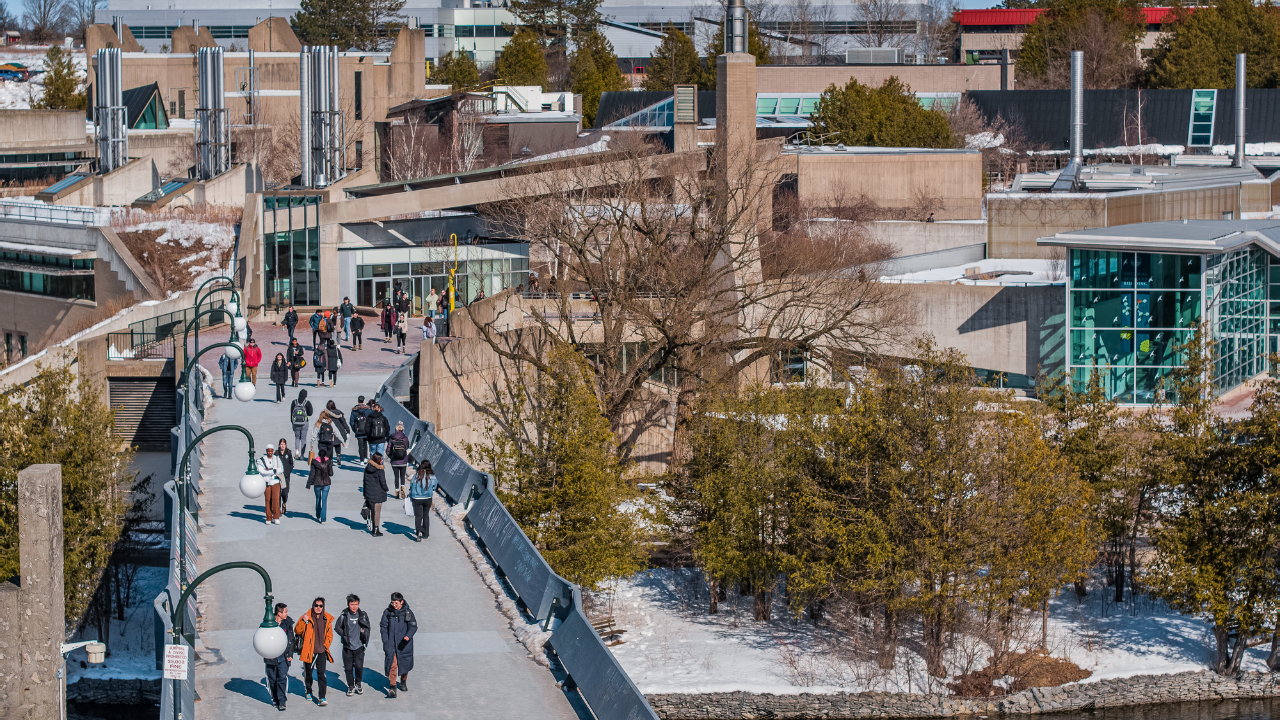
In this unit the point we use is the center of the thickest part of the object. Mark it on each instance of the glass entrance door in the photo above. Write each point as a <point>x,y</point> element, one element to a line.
<point>381,292</point>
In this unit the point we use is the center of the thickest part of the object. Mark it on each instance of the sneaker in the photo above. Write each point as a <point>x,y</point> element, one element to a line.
<point>392,692</point>
<point>417,538</point>
<point>359,688</point>
<point>351,691</point>
<point>322,702</point>
<point>308,696</point>
<point>280,707</point>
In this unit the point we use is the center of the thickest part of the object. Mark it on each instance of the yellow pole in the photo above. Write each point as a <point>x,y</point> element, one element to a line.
<point>454,269</point>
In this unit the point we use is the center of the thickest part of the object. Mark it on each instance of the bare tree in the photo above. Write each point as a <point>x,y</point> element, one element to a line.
<point>412,150</point>
<point>82,14</point>
<point>682,277</point>
<point>937,36</point>
<point>803,35</point>
<point>886,23</point>
<point>46,19</point>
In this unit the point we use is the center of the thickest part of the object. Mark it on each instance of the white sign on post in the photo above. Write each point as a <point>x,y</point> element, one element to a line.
<point>175,662</point>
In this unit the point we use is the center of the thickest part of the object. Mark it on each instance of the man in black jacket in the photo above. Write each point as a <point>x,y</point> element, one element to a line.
<point>278,667</point>
<point>379,430</point>
<point>352,627</point>
<point>360,426</point>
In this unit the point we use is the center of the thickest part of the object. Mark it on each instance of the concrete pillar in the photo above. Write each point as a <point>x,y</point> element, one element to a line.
<point>735,104</point>
<point>330,293</point>
<point>40,556</point>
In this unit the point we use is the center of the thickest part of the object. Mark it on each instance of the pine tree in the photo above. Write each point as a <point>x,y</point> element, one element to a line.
<point>61,83</point>
<point>554,21</point>
<point>1107,31</point>
<point>55,419</point>
<point>522,61</point>
<point>594,70</point>
<point>675,62</point>
<point>456,69</point>
<point>556,468</point>
<point>331,22</point>
<point>887,116</point>
<point>1199,49</point>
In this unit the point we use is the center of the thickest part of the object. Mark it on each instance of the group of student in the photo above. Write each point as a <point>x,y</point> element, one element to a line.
<point>311,635</point>
<point>377,446</point>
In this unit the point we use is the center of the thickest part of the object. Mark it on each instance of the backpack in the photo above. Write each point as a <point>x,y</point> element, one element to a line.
<point>362,423</point>
<point>298,412</point>
<point>326,434</point>
<point>378,427</point>
<point>397,449</point>
<point>324,326</point>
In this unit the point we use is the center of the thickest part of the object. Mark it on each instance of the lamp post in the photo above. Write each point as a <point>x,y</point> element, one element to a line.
<point>244,390</point>
<point>232,307</point>
<point>269,640</point>
<point>97,653</point>
<point>186,333</point>
<point>251,484</point>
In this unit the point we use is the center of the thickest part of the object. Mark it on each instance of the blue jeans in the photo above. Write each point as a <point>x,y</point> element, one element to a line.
<point>346,326</point>
<point>228,382</point>
<point>378,447</point>
<point>322,502</point>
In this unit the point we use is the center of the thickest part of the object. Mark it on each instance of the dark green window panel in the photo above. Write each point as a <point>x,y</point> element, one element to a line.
<point>1101,347</point>
<point>1101,308</point>
<point>1168,309</point>
<point>1173,272</point>
<point>1100,269</point>
<point>1161,347</point>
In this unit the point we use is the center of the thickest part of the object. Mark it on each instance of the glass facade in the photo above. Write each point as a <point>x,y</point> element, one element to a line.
<point>1130,312</point>
<point>375,283</point>
<point>20,272</point>
<point>291,262</point>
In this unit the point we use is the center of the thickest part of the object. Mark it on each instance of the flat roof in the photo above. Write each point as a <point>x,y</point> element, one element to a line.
<point>1119,177</point>
<point>1193,237</point>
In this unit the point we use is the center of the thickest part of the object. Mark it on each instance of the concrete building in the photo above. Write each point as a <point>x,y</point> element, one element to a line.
<point>984,33</point>
<point>40,144</point>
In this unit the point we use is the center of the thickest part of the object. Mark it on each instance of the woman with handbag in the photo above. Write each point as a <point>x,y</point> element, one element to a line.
<point>320,361</point>
<point>319,480</point>
<point>333,360</point>
<point>402,329</point>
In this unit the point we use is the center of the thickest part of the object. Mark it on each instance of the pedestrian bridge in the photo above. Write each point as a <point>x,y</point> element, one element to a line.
<point>467,661</point>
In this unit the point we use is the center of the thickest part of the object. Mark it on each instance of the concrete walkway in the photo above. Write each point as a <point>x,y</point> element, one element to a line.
<point>467,663</point>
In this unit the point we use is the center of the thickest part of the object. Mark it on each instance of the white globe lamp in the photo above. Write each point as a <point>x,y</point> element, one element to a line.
<point>269,641</point>
<point>234,351</point>
<point>239,323</point>
<point>253,486</point>
<point>244,391</point>
<point>232,307</point>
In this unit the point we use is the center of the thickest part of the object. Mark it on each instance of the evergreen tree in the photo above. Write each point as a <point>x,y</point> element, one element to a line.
<point>456,69</point>
<point>1199,49</point>
<point>554,21</point>
<point>887,116</point>
<point>331,22</point>
<point>521,61</point>
<point>556,468</point>
<point>61,83</point>
<point>1107,31</point>
<point>55,419</point>
<point>594,70</point>
<point>675,62</point>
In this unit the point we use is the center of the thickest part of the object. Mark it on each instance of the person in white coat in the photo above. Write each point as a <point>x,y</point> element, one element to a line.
<point>271,470</point>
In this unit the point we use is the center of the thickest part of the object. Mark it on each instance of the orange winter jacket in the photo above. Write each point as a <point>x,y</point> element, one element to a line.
<point>305,630</point>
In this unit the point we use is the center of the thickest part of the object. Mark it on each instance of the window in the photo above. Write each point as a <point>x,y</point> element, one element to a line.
<point>359,94</point>
<point>809,105</point>
<point>766,106</point>
<point>789,106</point>
<point>1202,105</point>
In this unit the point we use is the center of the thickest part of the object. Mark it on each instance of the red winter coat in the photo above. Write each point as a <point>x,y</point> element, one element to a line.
<point>252,355</point>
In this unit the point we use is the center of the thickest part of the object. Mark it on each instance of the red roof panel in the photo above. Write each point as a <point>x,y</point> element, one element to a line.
<point>1019,17</point>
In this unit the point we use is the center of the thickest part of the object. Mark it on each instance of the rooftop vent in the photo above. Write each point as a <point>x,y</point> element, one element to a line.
<point>874,56</point>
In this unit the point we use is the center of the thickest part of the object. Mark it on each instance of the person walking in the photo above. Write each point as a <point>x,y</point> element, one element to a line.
<point>270,468</point>
<point>320,362</point>
<point>397,628</point>
<point>314,631</point>
<point>375,493</point>
<point>360,427</point>
<point>279,375</point>
<point>348,311</point>
<point>296,357</point>
<point>285,456</point>
<point>290,320</point>
<point>333,361</point>
<point>252,358</point>
<point>278,667</point>
<point>403,302</point>
<point>326,328</point>
<point>300,413</point>
<point>421,491</point>
<point>431,302</point>
<point>388,321</point>
<point>402,329</point>
<point>316,317</point>
<point>429,330</point>
<point>379,429</point>
<point>357,332</point>
<point>342,430</point>
<point>326,438</point>
<point>319,480</point>
<point>353,630</point>
<point>398,454</point>
<point>228,365</point>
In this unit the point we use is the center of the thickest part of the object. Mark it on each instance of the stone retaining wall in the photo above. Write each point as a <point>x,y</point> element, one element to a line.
<point>114,692</point>
<point>1137,690</point>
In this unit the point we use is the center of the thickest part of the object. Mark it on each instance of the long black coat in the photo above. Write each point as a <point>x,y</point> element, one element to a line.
<point>279,372</point>
<point>395,626</point>
<point>375,484</point>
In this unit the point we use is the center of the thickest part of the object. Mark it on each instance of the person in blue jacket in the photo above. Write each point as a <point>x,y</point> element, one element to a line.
<point>421,489</point>
<point>398,627</point>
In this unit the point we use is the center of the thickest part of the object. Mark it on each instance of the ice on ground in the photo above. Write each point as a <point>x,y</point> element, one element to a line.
<point>131,642</point>
<point>673,646</point>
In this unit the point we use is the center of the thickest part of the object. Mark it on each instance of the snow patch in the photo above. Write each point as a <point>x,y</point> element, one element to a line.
<point>1263,148</point>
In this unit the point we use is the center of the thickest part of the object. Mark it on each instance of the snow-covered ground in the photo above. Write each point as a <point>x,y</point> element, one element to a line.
<point>22,95</point>
<point>210,241</point>
<point>673,645</point>
<point>1019,272</point>
<point>132,642</point>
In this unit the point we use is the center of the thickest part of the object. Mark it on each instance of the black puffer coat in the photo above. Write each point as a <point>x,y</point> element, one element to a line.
<point>396,625</point>
<point>375,483</point>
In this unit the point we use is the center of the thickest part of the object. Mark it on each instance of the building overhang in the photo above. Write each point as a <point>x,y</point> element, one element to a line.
<point>1196,237</point>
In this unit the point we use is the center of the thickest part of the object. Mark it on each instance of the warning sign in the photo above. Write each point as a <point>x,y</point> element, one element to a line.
<point>175,662</point>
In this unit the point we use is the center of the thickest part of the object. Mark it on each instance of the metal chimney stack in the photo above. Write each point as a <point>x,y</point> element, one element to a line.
<point>735,27</point>
<point>213,142</point>
<point>1240,83</point>
<point>109,114</point>
<point>304,118</point>
<point>1077,106</point>
<point>325,134</point>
